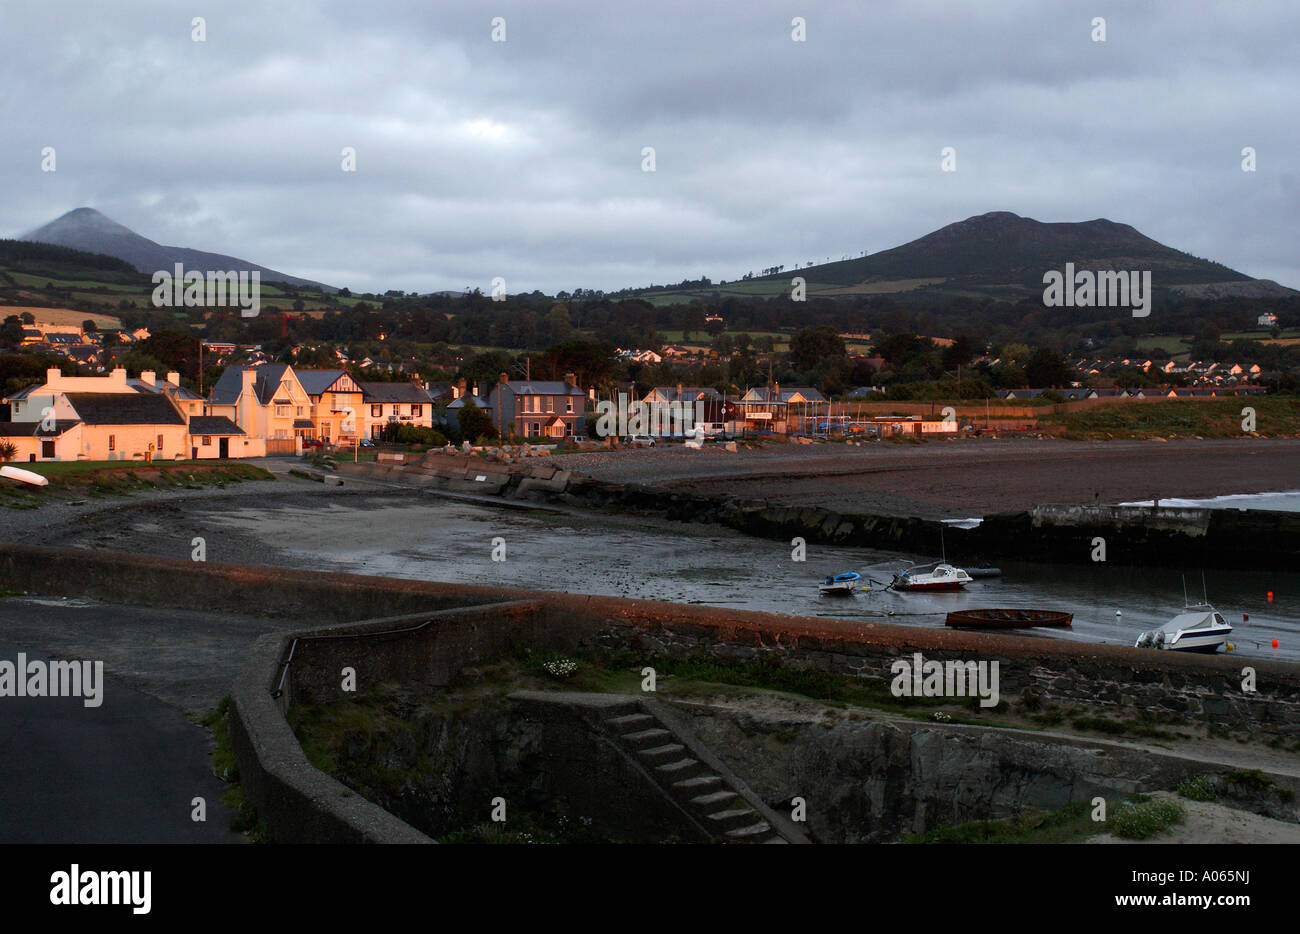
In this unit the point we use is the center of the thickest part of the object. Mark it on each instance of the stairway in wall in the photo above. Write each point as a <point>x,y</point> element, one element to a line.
<point>712,799</point>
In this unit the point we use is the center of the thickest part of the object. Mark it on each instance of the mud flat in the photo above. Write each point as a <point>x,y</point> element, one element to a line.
<point>958,478</point>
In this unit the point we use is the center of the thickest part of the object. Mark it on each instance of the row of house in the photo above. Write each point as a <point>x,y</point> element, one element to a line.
<point>252,411</point>
<point>1163,392</point>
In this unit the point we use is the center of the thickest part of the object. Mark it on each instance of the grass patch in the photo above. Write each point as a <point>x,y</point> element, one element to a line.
<point>1139,819</point>
<point>1253,779</point>
<point>1118,727</point>
<point>107,478</point>
<point>246,820</point>
<point>1069,824</point>
<point>1200,788</point>
<point>1206,418</point>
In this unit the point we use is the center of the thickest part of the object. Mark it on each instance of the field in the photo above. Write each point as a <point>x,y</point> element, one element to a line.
<point>1209,418</point>
<point>61,316</point>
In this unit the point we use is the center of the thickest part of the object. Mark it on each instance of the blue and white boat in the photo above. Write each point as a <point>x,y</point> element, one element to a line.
<point>840,583</point>
<point>1198,628</point>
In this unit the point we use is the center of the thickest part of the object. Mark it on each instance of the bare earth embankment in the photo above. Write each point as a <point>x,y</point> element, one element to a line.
<point>959,478</point>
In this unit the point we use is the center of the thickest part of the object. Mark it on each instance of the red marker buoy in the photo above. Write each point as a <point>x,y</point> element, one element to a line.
<point>1274,645</point>
<point>1245,617</point>
<point>1270,596</point>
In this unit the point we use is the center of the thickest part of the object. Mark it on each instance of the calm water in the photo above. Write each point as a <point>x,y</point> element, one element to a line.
<point>1288,501</point>
<point>434,539</point>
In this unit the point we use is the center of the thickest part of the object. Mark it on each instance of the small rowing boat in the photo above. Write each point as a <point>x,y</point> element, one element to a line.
<point>840,584</point>
<point>1007,619</point>
<point>22,476</point>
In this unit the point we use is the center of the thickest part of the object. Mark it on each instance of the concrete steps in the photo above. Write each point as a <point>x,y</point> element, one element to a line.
<point>714,803</point>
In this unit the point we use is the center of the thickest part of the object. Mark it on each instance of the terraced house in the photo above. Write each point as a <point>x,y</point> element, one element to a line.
<point>266,402</point>
<point>400,403</point>
<point>538,408</point>
<point>336,405</point>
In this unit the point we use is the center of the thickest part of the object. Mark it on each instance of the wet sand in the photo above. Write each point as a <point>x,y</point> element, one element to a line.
<point>963,477</point>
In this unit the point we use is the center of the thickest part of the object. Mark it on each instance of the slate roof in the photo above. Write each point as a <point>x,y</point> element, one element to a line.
<point>29,429</point>
<point>460,403</point>
<point>554,387</point>
<point>24,392</point>
<point>213,425</point>
<point>401,393</point>
<point>124,408</point>
<point>316,382</point>
<point>227,390</point>
<point>688,393</point>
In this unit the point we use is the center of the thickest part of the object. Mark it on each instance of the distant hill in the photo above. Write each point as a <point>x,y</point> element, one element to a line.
<point>90,231</point>
<point>1002,255</point>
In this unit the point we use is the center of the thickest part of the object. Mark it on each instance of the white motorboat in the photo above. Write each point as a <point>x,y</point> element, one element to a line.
<point>1198,628</point>
<point>943,577</point>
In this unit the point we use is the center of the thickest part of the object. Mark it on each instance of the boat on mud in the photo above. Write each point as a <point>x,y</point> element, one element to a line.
<point>1198,628</point>
<point>840,584</point>
<point>1007,619</point>
<point>943,577</point>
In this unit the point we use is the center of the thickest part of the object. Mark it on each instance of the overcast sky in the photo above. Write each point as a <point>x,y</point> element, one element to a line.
<point>523,158</point>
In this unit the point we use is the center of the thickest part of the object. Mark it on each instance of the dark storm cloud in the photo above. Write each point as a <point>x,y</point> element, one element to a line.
<point>523,158</point>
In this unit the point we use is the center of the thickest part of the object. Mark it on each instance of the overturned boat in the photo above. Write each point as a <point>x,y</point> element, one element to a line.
<point>1007,619</point>
<point>1198,628</point>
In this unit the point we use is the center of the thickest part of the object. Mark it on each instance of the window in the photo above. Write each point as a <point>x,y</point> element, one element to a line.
<point>550,403</point>
<point>417,410</point>
<point>533,429</point>
<point>160,442</point>
<point>207,441</point>
<point>112,442</point>
<point>298,410</point>
<point>569,404</point>
<point>282,411</point>
<point>376,411</point>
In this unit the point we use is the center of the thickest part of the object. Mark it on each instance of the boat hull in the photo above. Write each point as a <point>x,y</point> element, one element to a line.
<point>941,585</point>
<point>1206,643</point>
<point>23,476</point>
<point>1007,619</point>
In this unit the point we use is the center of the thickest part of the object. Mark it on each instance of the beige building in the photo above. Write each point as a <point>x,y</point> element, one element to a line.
<point>399,403</point>
<point>112,418</point>
<point>266,402</point>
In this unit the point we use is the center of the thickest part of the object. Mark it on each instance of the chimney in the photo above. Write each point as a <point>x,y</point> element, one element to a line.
<point>459,389</point>
<point>118,376</point>
<point>174,378</point>
<point>568,378</point>
<point>503,379</point>
<point>147,377</point>
<point>248,379</point>
<point>475,389</point>
<point>52,377</point>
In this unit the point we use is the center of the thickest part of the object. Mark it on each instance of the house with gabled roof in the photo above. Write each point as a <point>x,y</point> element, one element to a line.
<point>771,408</point>
<point>399,403</point>
<point>538,408</point>
<point>337,412</point>
<point>267,402</point>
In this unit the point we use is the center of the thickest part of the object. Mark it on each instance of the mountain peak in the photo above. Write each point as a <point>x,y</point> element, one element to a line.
<point>92,231</point>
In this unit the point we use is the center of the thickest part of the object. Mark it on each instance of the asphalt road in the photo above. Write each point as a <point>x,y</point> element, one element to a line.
<point>128,770</point>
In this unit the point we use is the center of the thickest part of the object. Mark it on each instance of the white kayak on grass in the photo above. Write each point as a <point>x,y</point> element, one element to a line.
<point>23,476</point>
